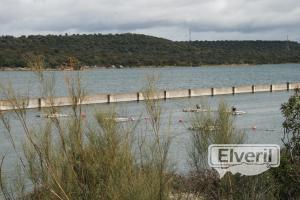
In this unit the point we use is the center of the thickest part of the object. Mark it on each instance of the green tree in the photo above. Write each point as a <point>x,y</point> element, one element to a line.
<point>291,112</point>
<point>287,175</point>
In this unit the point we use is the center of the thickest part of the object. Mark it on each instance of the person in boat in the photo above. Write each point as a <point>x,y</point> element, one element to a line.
<point>198,106</point>
<point>233,109</point>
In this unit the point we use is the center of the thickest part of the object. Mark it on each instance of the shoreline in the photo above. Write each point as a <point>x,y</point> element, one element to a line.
<point>24,69</point>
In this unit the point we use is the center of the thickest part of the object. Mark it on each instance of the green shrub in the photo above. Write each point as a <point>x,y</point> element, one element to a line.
<point>72,159</point>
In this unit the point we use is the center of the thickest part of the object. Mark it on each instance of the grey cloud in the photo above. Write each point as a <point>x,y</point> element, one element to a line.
<point>244,17</point>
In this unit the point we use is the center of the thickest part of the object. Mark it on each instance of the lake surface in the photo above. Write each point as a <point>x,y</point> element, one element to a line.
<point>132,80</point>
<point>263,109</point>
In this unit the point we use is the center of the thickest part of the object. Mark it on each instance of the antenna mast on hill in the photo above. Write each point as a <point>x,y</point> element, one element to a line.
<point>287,43</point>
<point>190,46</point>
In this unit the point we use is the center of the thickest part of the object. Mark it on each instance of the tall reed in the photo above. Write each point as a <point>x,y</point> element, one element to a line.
<point>74,159</point>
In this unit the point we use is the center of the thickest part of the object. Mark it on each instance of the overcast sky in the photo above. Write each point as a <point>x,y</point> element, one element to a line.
<point>207,19</point>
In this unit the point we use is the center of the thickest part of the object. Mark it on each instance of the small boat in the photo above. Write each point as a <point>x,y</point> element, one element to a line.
<point>194,110</point>
<point>121,119</point>
<point>270,130</point>
<point>238,112</point>
<point>54,115</point>
<point>209,128</point>
<point>124,119</point>
<point>235,111</point>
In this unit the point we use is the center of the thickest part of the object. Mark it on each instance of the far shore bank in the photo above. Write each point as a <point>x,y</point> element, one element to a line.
<point>135,67</point>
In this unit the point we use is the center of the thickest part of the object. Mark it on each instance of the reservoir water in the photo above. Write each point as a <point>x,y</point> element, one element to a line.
<point>263,109</point>
<point>132,79</point>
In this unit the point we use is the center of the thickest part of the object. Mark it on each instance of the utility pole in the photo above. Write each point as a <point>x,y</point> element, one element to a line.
<point>287,43</point>
<point>190,47</point>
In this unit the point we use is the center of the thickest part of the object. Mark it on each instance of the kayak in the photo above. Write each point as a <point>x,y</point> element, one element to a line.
<point>54,115</point>
<point>194,110</point>
<point>124,119</point>
<point>209,128</point>
<point>121,119</point>
<point>238,112</point>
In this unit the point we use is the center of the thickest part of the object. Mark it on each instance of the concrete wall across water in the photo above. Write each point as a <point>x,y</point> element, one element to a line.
<point>139,96</point>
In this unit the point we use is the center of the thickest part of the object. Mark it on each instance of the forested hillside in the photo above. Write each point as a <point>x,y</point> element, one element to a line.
<point>141,50</point>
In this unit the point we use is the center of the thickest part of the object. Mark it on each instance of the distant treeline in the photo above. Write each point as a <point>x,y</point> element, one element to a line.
<point>141,50</point>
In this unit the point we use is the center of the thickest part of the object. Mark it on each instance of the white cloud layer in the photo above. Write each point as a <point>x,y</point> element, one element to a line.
<point>208,19</point>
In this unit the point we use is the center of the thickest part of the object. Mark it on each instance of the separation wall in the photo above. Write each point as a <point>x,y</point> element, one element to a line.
<point>139,96</point>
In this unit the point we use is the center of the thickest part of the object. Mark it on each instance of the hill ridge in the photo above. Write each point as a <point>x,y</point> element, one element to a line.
<point>142,50</point>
